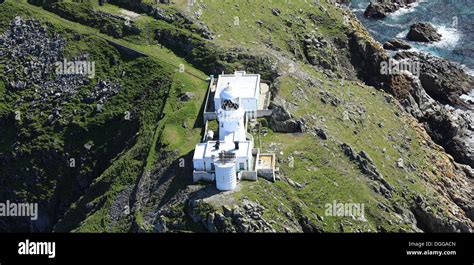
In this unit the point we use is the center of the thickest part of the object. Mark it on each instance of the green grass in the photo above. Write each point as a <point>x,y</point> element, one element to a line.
<point>119,162</point>
<point>157,52</point>
<point>165,125</point>
<point>236,23</point>
<point>324,171</point>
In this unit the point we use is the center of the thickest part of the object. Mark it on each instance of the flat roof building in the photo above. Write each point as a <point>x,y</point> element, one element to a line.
<point>247,87</point>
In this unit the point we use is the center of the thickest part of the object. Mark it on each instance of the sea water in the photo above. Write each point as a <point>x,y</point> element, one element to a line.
<point>454,20</point>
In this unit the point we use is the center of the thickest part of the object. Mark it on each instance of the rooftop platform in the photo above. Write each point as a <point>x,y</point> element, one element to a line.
<point>246,84</point>
<point>207,150</point>
<point>214,89</point>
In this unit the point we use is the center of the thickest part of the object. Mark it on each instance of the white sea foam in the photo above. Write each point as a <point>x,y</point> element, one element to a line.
<point>402,34</point>
<point>372,31</point>
<point>470,72</point>
<point>469,98</point>
<point>403,11</point>
<point>449,37</point>
<point>392,25</point>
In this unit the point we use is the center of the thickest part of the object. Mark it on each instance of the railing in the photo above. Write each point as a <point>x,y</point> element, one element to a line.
<point>207,101</point>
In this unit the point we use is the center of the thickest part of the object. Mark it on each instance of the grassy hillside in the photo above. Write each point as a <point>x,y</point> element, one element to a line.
<point>346,110</point>
<point>357,144</point>
<point>122,148</point>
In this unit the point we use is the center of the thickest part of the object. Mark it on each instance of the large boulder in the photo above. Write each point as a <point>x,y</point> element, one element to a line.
<point>281,119</point>
<point>380,10</point>
<point>396,44</point>
<point>423,32</point>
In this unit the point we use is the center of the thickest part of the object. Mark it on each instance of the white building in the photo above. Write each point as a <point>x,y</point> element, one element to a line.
<point>230,158</point>
<point>247,85</point>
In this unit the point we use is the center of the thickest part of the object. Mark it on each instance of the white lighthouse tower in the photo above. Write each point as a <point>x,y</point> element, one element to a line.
<point>231,116</point>
<point>231,157</point>
<point>231,132</point>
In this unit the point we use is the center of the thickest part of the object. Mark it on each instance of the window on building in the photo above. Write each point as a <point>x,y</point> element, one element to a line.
<point>242,166</point>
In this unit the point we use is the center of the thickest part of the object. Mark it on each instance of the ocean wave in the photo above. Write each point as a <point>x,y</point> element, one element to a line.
<point>402,34</point>
<point>425,50</point>
<point>372,31</point>
<point>455,40</point>
<point>403,11</point>
<point>468,98</point>
<point>449,37</point>
<point>392,25</point>
<point>468,70</point>
<point>358,5</point>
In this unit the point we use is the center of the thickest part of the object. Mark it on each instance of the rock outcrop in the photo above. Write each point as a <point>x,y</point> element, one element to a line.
<point>29,50</point>
<point>381,8</point>
<point>423,32</point>
<point>177,17</point>
<point>443,80</point>
<point>396,44</point>
<point>439,82</point>
<point>367,166</point>
<point>319,51</point>
<point>210,209</point>
<point>434,99</point>
<point>281,119</point>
